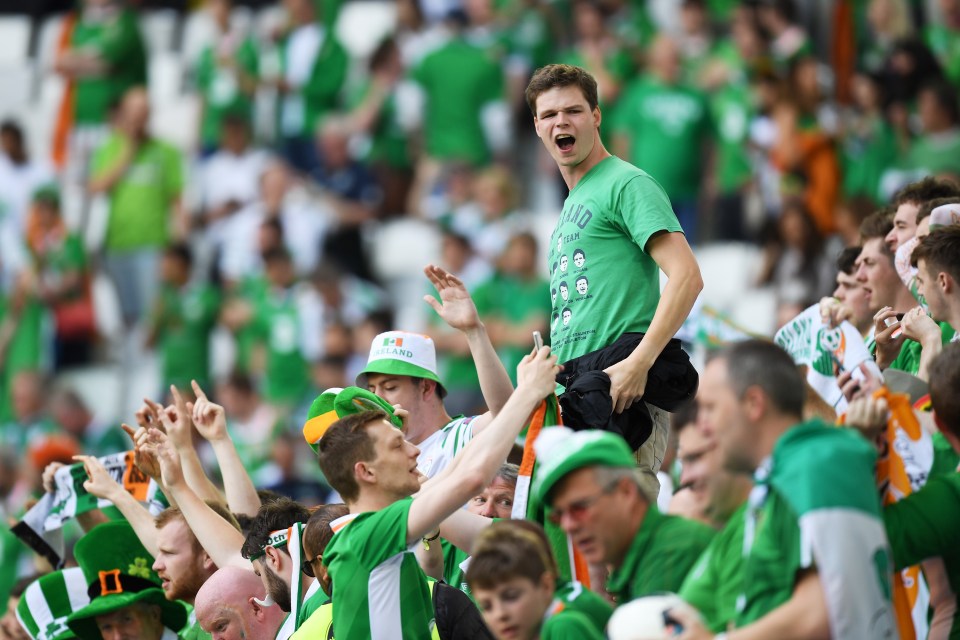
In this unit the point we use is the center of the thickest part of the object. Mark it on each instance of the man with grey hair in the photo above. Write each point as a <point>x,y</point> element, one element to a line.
<point>816,557</point>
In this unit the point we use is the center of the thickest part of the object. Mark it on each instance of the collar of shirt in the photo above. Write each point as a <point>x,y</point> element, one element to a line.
<point>619,581</point>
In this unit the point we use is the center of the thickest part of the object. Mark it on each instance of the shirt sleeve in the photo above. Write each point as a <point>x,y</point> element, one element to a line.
<point>381,535</point>
<point>924,524</point>
<point>644,210</point>
<point>570,625</point>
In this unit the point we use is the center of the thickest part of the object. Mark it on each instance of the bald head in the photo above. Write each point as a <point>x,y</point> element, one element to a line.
<point>226,609</point>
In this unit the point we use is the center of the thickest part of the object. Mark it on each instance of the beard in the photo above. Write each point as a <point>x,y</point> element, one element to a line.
<point>186,586</point>
<point>278,590</point>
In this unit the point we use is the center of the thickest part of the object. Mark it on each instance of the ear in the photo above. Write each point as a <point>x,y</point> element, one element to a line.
<point>363,472</point>
<point>427,388</point>
<point>257,610</point>
<point>597,116</point>
<point>946,283</point>
<point>273,559</point>
<point>754,403</point>
<point>208,563</point>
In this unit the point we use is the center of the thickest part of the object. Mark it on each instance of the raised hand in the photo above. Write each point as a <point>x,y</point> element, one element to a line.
<point>868,415</point>
<point>175,420</point>
<point>47,479</point>
<point>209,417</point>
<point>159,445</point>
<point>99,482</point>
<point>455,305</point>
<point>537,372</point>
<point>143,459</point>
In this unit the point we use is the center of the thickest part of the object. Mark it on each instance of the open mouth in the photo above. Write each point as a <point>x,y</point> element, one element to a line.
<point>565,141</point>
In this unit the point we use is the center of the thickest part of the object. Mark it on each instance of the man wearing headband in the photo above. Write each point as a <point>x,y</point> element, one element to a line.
<point>273,547</point>
<point>402,369</point>
<point>228,607</point>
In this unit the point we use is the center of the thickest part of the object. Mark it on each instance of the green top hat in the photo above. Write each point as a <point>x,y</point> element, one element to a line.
<point>118,573</point>
<point>46,603</point>
<point>333,404</point>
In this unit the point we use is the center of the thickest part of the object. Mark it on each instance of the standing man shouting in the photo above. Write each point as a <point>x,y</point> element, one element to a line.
<point>618,224</point>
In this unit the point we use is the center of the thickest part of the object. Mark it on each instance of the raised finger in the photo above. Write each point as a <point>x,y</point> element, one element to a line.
<point>198,391</point>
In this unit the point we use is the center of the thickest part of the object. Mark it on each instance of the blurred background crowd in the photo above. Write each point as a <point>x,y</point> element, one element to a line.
<point>245,193</point>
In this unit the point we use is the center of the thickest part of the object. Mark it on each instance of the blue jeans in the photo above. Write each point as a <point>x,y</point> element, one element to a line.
<point>136,276</point>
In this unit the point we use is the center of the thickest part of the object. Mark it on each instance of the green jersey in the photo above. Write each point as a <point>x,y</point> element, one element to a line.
<point>908,360</point>
<point>926,524</point>
<point>945,458</point>
<point>731,113</point>
<point>142,201</point>
<point>114,37</point>
<point>814,506</point>
<point>458,80</point>
<point>662,553</point>
<point>389,141</point>
<point>62,255</point>
<point>935,153</point>
<point>569,625</point>
<point>454,572</point>
<point>192,630</point>
<point>379,588</point>
<point>302,110</point>
<point>667,126</point>
<point>219,76</point>
<point>867,152</point>
<point>945,44</point>
<point>184,318</point>
<point>280,326</point>
<point>574,597</point>
<point>715,581</point>
<point>606,222</point>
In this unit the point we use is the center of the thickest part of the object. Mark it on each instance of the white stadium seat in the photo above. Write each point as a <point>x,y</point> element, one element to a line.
<point>363,24</point>
<point>159,29</point>
<point>14,39</point>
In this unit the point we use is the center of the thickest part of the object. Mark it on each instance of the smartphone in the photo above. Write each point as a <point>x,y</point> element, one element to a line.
<point>537,340</point>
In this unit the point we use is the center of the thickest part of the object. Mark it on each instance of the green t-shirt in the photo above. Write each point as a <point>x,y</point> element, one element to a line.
<point>715,581</point>
<point>458,80</point>
<point>184,319</point>
<point>61,256</point>
<point>321,94</point>
<point>908,360</point>
<point>945,458</point>
<point>141,202</point>
<point>221,88</point>
<point>731,113</point>
<point>926,524</point>
<point>866,155</point>
<point>569,625</point>
<point>945,44</point>
<point>116,40</point>
<point>379,588</point>
<point>311,604</point>
<point>935,153</point>
<point>661,555</point>
<point>574,597</point>
<point>815,505</point>
<point>516,301</point>
<point>279,325</point>
<point>601,236</point>
<point>453,573</point>
<point>666,126</point>
<point>389,142</point>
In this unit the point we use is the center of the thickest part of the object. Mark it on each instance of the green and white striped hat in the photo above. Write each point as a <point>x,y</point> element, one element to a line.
<point>45,605</point>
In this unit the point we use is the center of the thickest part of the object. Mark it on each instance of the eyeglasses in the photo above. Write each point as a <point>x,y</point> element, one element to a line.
<point>307,565</point>
<point>578,508</point>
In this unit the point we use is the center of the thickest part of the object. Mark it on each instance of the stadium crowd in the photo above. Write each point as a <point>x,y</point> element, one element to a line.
<point>545,432</point>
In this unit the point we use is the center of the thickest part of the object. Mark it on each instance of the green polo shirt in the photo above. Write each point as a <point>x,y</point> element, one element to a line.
<point>660,556</point>
<point>908,360</point>
<point>715,581</point>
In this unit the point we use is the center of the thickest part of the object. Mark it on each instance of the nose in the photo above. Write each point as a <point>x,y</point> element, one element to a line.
<point>489,510</point>
<point>836,292</point>
<point>891,239</point>
<point>157,565</point>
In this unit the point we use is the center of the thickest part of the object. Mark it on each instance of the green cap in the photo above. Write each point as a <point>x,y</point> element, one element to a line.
<point>563,451</point>
<point>333,404</point>
<point>46,603</point>
<point>118,572</point>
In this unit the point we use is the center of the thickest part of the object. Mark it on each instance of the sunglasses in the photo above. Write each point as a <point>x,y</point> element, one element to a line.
<point>307,565</point>
<point>578,508</point>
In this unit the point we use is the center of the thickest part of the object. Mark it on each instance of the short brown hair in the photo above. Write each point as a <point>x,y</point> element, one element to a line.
<point>941,251</point>
<point>944,382</point>
<point>317,533</point>
<point>509,549</point>
<point>927,189</point>
<point>345,444</point>
<point>878,225</point>
<point>927,207</point>
<point>561,75</point>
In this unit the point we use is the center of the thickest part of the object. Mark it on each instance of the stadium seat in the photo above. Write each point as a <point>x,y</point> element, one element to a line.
<point>166,78</point>
<point>198,32</point>
<point>728,272</point>
<point>176,122</point>
<point>15,39</point>
<point>17,82</point>
<point>159,30</point>
<point>267,20</point>
<point>363,24</point>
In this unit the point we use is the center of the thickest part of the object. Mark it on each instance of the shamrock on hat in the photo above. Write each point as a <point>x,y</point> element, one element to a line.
<point>46,603</point>
<point>118,573</point>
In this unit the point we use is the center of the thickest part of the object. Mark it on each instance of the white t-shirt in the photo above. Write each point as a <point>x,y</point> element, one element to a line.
<point>437,451</point>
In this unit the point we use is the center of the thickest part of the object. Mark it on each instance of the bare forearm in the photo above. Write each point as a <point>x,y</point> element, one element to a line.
<point>217,537</point>
<point>463,528</point>
<point>494,381</point>
<point>196,478</point>
<point>89,519</point>
<point>139,518</point>
<point>676,301</point>
<point>241,493</point>
<point>430,560</point>
<point>803,617</point>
